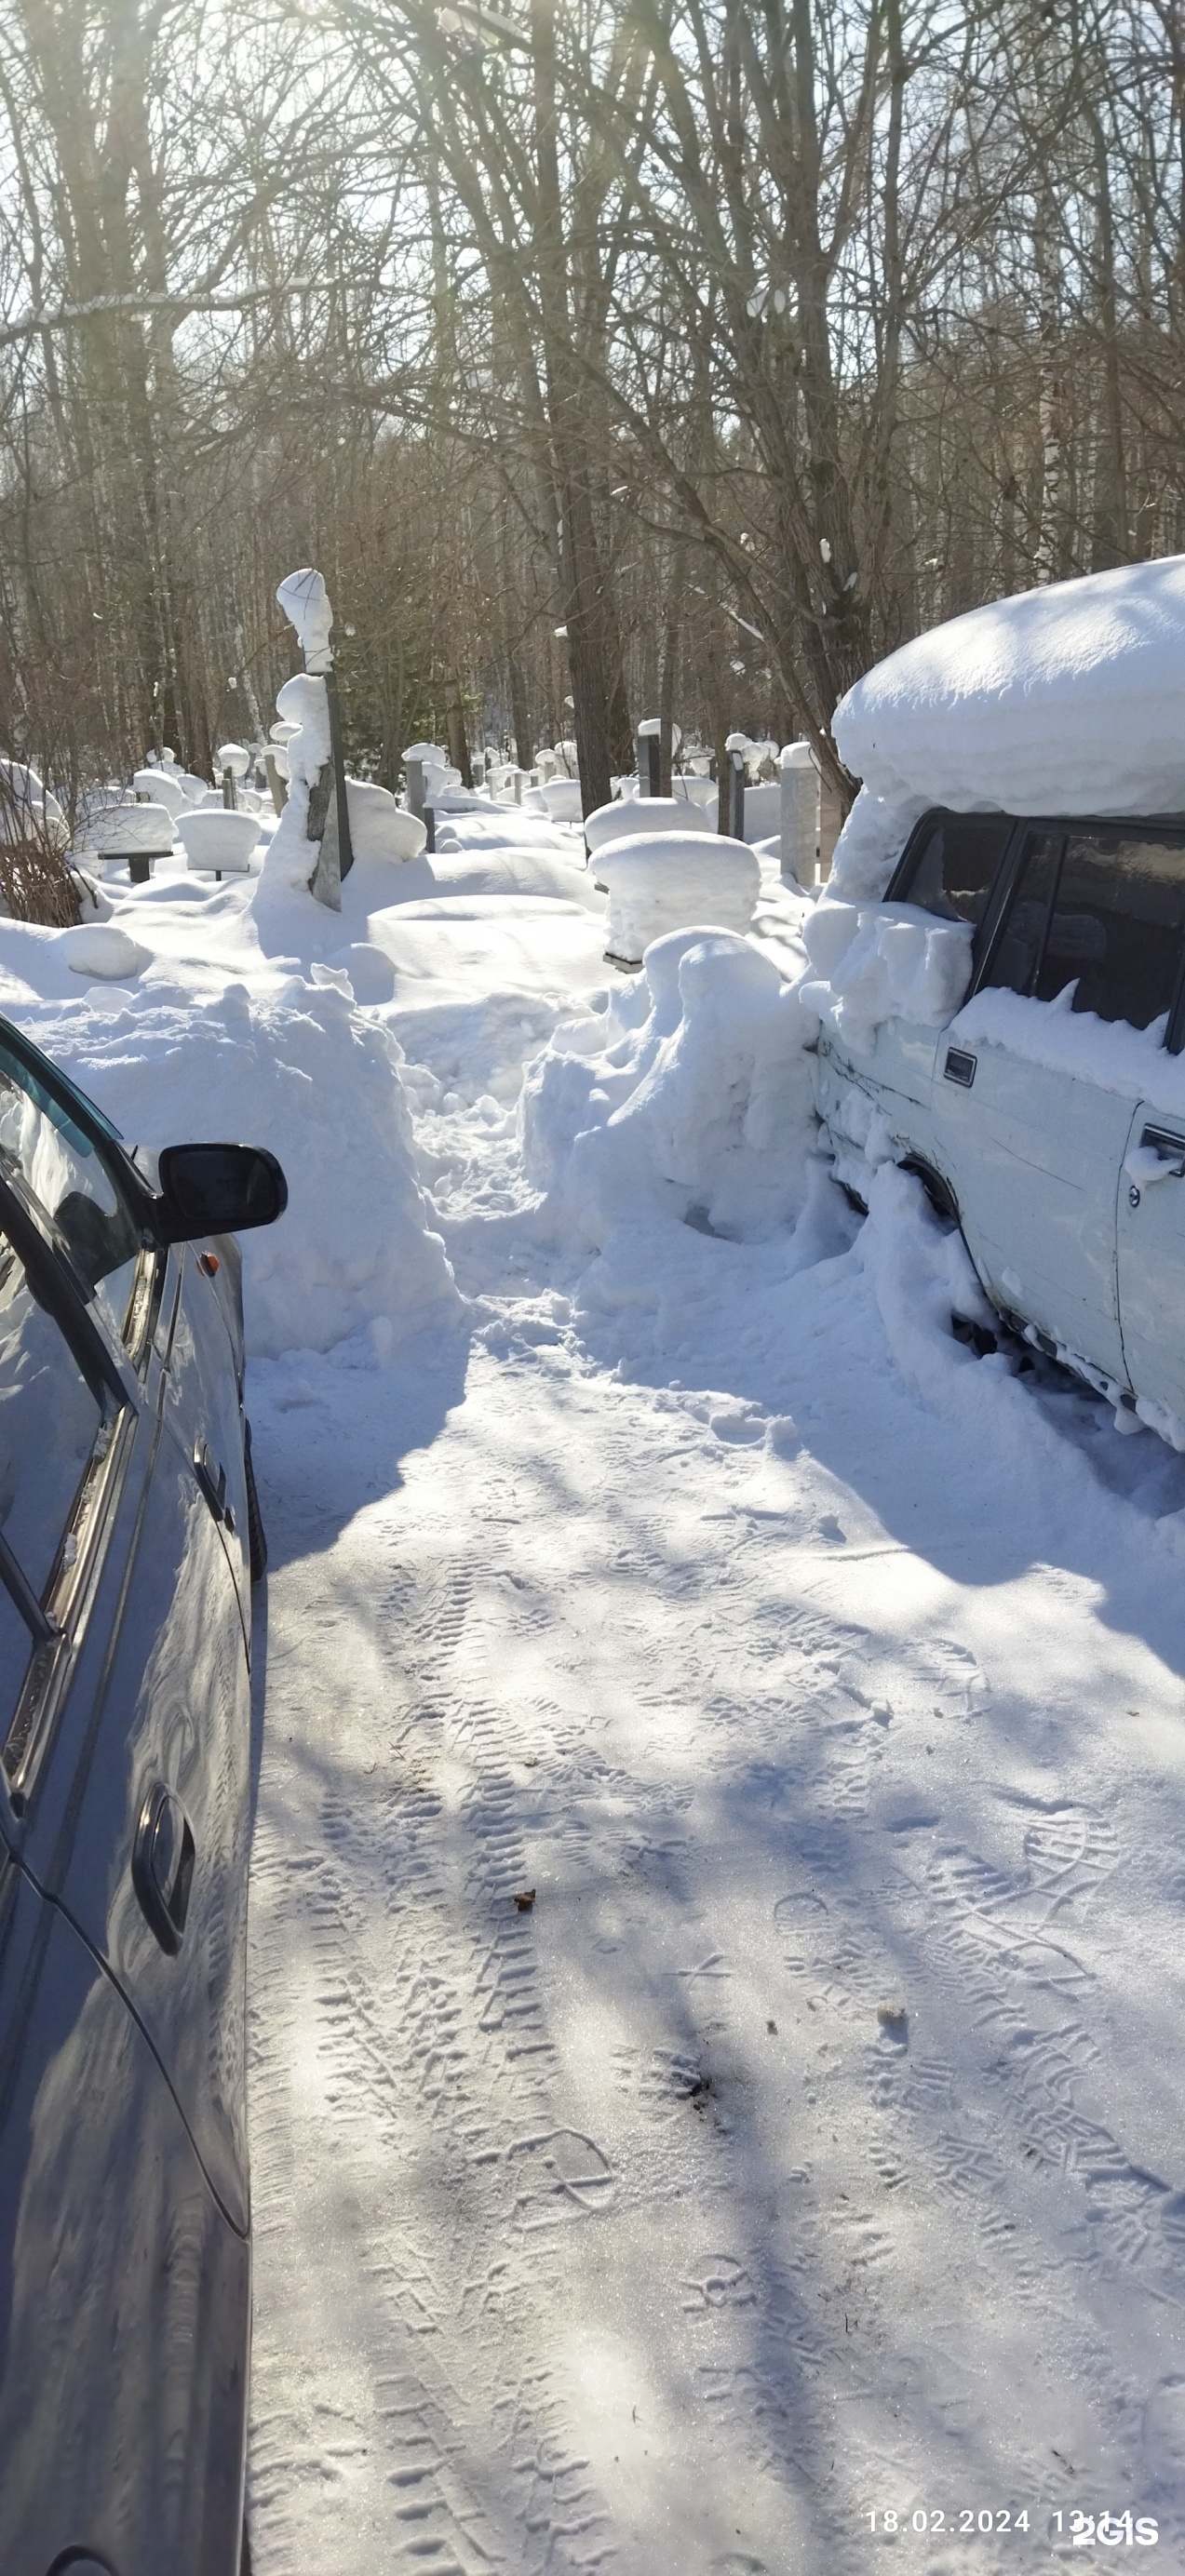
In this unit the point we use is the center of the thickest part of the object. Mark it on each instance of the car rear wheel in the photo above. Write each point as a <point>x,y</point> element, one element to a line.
<point>256,1535</point>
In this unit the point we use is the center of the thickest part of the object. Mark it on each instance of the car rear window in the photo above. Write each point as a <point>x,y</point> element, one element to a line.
<point>1103,910</point>
<point>950,868</point>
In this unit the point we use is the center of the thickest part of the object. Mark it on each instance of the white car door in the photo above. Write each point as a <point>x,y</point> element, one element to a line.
<point>948,870</point>
<point>1033,1110</point>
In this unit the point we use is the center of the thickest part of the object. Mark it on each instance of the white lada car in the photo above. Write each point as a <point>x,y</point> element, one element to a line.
<point>1044,1105</point>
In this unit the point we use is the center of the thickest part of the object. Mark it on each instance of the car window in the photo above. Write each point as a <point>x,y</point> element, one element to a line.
<point>49,1421</point>
<point>951,871</point>
<point>1102,910</point>
<point>58,1162</point>
<point>1116,925</point>
<point>1017,953</point>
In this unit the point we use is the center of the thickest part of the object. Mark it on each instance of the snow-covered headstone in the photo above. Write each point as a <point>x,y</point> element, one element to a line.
<point>671,881</point>
<point>799,784</point>
<point>649,743</point>
<point>732,816</point>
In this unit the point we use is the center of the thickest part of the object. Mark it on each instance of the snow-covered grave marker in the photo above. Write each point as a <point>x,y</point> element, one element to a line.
<point>649,748</point>
<point>134,831</point>
<point>831,823</point>
<point>305,602</point>
<point>234,761</point>
<point>799,784</point>
<point>732,801</point>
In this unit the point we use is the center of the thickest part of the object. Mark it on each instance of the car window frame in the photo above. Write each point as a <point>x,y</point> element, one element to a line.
<point>108,1145</point>
<point>897,889</point>
<point>70,1586</point>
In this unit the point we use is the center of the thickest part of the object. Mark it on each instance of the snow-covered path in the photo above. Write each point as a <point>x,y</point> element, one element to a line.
<point>811,2149</point>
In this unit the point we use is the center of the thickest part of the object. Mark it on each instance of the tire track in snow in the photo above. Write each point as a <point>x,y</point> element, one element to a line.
<point>413,2017</point>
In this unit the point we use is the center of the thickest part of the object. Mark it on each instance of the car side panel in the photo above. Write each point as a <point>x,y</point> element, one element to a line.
<point>124,2294</point>
<point>161,1699</point>
<point>879,1097</point>
<point>1152,1260</point>
<point>1033,1155</point>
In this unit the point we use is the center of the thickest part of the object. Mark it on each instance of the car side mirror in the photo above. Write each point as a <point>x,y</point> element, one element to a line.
<point>217,1189</point>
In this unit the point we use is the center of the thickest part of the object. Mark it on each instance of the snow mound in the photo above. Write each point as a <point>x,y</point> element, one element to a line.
<point>101,950</point>
<point>303,1073</point>
<point>510,872</point>
<point>871,963</point>
<point>162,787</point>
<point>704,1109</point>
<point>1061,700</point>
<point>371,973</point>
<point>633,814</point>
<point>671,880</point>
<point>561,796</point>
<point>303,702</point>
<point>379,828</point>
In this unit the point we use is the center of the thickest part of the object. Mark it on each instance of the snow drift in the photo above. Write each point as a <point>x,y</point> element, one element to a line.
<point>303,1073</point>
<point>876,962</point>
<point>870,845</point>
<point>703,1108</point>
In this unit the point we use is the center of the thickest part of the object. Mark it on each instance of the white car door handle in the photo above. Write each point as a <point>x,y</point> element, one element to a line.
<point>1159,1156</point>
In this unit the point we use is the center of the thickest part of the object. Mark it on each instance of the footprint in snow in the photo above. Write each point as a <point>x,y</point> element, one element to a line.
<point>827,1526</point>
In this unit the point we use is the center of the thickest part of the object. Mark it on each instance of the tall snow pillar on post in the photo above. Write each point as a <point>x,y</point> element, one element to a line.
<point>305,601</point>
<point>732,802</point>
<point>798,776</point>
<point>649,749</point>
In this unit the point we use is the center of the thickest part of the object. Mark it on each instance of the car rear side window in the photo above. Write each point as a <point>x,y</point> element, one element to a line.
<point>951,870</point>
<point>1103,910</point>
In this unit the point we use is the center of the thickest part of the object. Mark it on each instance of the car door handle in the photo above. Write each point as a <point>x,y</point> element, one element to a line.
<point>1168,1149</point>
<point>162,1865</point>
<point>211,1476</point>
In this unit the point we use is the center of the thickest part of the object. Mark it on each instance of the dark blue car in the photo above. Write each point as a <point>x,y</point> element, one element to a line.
<point>128,1538</point>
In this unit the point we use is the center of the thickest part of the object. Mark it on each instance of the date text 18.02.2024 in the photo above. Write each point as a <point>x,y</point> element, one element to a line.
<point>1083,2530</point>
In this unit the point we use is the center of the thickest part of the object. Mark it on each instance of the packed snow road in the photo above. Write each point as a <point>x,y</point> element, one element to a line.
<point>800,2172</point>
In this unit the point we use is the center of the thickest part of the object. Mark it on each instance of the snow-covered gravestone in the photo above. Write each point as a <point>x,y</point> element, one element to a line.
<point>305,602</point>
<point>799,783</point>
<point>649,749</point>
<point>732,802</point>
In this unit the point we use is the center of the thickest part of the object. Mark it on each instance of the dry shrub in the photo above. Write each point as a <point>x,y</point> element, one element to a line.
<point>36,883</point>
